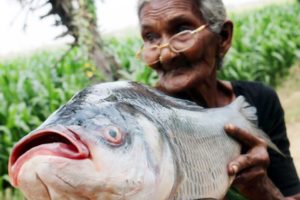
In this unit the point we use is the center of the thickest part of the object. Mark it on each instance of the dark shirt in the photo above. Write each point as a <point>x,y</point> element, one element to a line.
<point>271,119</point>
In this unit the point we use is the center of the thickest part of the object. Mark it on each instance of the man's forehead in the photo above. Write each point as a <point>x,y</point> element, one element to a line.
<point>165,9</point>
<point>170,3</point>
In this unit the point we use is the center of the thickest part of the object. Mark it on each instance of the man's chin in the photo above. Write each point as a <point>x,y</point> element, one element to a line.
<point>171,83</point>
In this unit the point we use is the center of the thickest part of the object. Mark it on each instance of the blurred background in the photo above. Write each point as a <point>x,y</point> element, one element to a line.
<point>49,49</point>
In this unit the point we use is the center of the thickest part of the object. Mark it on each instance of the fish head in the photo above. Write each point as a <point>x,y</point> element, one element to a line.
<point>94,147</point>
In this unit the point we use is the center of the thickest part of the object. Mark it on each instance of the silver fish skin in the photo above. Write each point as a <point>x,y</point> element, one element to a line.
<point>124,140</point>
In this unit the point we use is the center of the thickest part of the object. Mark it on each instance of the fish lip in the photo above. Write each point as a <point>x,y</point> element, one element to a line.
<point>69,140</point>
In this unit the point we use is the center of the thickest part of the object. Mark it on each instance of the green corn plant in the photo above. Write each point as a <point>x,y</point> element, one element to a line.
<point>31,89</point>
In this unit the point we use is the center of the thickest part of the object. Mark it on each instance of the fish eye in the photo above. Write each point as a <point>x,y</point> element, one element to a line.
<point>113,135</point>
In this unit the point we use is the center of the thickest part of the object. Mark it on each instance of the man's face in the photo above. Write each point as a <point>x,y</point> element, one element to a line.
<point>162,19</point>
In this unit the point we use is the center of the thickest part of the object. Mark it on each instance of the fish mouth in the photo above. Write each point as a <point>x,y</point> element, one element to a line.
<point>56,141</point>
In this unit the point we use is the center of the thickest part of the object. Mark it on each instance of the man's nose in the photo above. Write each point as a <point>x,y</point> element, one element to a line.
<point>166,53</point>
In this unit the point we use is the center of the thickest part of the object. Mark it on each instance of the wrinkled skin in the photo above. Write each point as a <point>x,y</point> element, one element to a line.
<point>251,168</point>
<point>192,75</point>
<point>159,21</point>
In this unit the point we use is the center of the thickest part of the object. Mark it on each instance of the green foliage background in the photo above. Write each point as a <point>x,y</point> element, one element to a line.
<point>266,43</point>
<point>32,88</point>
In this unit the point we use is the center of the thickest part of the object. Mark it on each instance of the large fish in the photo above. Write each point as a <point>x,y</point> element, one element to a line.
<point>123,140</point>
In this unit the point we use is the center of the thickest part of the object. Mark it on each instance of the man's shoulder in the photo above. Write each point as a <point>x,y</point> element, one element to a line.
<point>253,89</point>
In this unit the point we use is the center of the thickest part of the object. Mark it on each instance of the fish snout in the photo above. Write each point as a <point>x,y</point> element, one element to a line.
<point>54,141</point>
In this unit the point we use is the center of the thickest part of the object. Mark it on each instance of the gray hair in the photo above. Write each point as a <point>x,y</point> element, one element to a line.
<point>212,11</point>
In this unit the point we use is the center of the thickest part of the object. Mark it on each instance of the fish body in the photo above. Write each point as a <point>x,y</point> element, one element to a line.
<point>123,140</point>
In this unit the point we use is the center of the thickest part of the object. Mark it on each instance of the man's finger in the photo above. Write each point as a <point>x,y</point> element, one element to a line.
<point>243,136</point>
<point>257,156</point>
<point>248,176</point>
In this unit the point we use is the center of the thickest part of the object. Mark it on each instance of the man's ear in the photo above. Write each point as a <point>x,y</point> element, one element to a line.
<point>225,37</point>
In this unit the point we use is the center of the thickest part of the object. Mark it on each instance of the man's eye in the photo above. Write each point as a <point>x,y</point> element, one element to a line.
<point>150,37</point>
<point>182,28</point>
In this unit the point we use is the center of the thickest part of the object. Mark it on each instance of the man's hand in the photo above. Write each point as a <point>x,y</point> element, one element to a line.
<point>250,168</point>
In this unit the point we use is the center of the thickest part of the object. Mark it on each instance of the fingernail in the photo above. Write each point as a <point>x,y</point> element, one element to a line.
<point>234,168</point>
<point>229,126</point>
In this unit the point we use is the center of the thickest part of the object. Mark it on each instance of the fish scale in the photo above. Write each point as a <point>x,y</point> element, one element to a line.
<point>201,161</point>
<point>195,151</point>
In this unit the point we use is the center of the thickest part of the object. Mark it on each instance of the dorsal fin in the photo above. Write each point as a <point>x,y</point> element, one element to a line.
<point>144,93</point>
<point>250,113</point>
